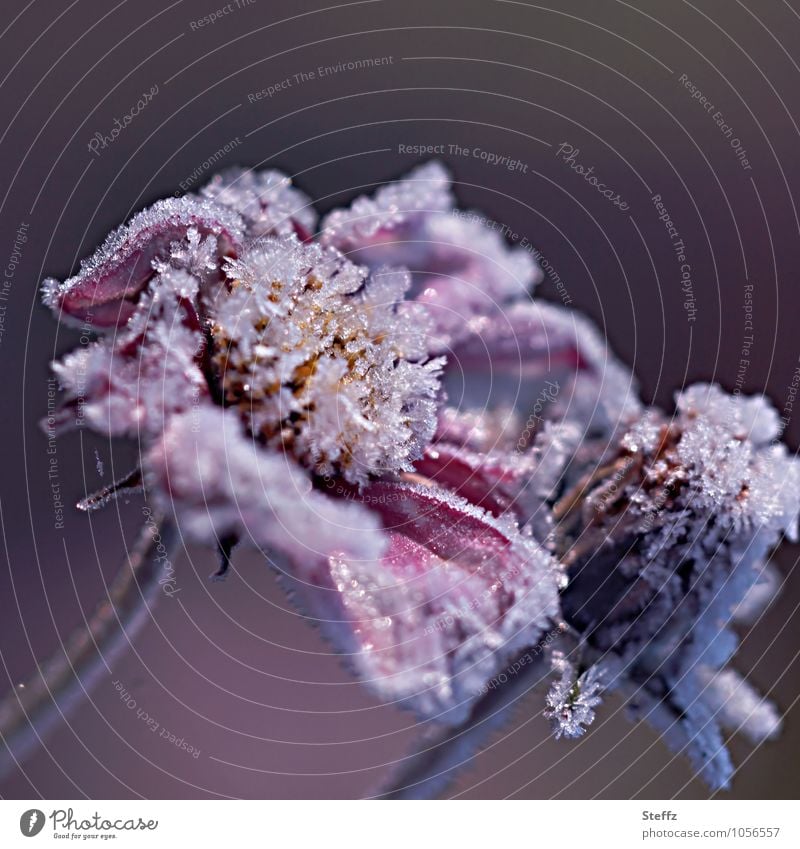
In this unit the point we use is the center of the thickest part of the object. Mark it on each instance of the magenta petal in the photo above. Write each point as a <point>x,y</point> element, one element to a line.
<point>550,363</point>
<point>104,290</point>
<point>493,480</point>
<point>386,221</point>
<point>500,463</point>
<point>130,383</point>
<point>455,597</point>
<point>266,200</point>
<point>220,482</point>
<point>462,265</point>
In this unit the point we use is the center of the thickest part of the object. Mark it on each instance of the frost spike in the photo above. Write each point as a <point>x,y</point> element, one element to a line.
<point>132,482</point>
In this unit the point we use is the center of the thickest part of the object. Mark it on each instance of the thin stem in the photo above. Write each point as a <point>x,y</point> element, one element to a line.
<point>443,752</point>
<point>33,709</point>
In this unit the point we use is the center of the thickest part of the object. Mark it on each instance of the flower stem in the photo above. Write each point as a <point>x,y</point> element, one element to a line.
<point>428,771</point>
<point>33,709</point>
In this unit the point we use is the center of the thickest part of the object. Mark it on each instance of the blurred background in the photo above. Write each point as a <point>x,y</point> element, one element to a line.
<point>694,103</point>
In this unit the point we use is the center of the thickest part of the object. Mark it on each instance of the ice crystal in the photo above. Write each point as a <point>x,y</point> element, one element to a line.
<point>457,594</point>
<point>463,267</point>
<point>324,362</point>
<point>671,538</point>
<point>571,700</point>
<point>445,472</point>
<point>266,200</point>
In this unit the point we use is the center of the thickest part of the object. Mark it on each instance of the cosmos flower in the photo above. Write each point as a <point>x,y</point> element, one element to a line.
<point>445,472</point>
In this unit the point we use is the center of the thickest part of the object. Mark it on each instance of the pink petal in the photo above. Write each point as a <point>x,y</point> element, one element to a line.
<point>132,382</point>
<point>219,482</point>
<point>499,469</point>
<point>105,289</point>
<point>548,362</point>
<point>266,200</point>
<point>456,596</point>
<point>396,210</point>
<point>493,480</point>
<point>463,267</point>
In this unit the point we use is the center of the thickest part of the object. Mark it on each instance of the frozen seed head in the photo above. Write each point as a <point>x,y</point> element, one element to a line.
<point>324,361</point>
<point>710,475</point>
<point>667,548</point>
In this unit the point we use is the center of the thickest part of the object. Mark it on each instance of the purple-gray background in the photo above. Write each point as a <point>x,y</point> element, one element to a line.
<point>231,668</point>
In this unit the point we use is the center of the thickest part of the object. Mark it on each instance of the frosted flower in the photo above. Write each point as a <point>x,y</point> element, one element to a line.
<point>283,396</point>
<point>445,473</point>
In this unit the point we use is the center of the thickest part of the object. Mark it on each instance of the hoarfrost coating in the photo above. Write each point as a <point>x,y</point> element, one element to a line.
<point>351,403</point>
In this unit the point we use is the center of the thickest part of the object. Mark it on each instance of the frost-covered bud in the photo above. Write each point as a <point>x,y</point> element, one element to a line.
<point>323,361</point>
<point>664,539</point>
